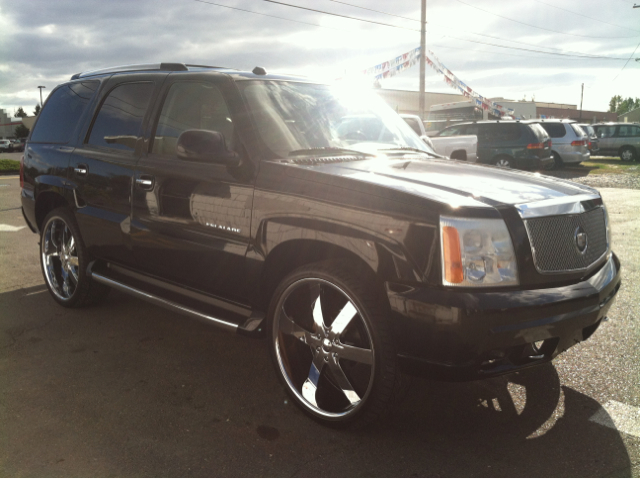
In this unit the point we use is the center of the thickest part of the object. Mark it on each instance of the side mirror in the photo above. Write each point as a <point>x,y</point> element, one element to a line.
<point>205,146</point>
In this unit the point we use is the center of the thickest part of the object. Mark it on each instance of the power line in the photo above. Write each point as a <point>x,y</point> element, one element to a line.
<point>433,25</point>
<point>376,11</point>
<point>342,16</point>
<point>585,16</point>
<point>266,15</point>
<point>534,26</point>
<point>625,65</point>
<point>576,55</point>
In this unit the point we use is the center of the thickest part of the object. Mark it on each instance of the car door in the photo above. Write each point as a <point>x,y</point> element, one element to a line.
<point>103,165</point>
<point>192,219</point>
<point>606,138</point>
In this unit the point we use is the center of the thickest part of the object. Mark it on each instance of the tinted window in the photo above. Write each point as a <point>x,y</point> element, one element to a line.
<point>605,131</point>
<point>555,130</point>
<point>191,106</point>
<point>628,130</point>
<point>540,133</point>
<point>61,113</point>
<point>118,122</point>
<point>453,131</point>
<point>495,132</point>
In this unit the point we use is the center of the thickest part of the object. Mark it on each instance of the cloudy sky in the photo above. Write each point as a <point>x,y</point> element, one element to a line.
<point>509,49</point>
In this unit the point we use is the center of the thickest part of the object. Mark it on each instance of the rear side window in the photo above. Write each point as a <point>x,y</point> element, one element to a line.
<point>453,131</point>
<point>60,115</point>
<point>555,130</point>
<point>118,123</point>
<point>539,132</point>
<point>578,130</point>
<point>495,132</point>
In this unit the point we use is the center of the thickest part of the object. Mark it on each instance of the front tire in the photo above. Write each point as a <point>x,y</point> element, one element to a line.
<point>331,344</point>
<point>64,260</point>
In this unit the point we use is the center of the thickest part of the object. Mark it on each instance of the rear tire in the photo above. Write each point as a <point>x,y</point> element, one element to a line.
<point>64,260</point>
<point>628,153</point>
<point>503,162</point>
<point>331,345</point>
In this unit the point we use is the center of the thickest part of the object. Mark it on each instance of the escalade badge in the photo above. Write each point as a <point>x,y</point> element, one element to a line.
<point>581,240</point>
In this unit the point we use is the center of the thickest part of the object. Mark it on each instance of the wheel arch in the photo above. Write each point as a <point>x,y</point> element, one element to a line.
<point>459,155</point>
<point>46,202</point>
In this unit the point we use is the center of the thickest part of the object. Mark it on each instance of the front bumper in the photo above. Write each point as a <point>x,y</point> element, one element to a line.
<point>466,335</point>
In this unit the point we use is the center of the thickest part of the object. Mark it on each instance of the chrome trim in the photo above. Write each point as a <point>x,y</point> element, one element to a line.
<point>231,327</point>
<point>234,308</point>
<point>565,205</point>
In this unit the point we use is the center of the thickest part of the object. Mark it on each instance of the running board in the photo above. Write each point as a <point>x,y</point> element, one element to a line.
<point>178,308</point>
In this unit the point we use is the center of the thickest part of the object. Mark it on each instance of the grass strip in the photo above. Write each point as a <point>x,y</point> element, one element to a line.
<point>9,166</point>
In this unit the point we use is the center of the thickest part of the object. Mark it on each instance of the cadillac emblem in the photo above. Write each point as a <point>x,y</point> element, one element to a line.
<point>580,237</point>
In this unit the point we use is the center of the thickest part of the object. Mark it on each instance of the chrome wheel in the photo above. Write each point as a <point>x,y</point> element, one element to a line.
<point>503,163</point>
<point>627,154</point>
<point>323,347</point>
<point>60,258</point>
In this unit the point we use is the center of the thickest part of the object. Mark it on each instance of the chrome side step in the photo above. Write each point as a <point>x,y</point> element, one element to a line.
<point>178,308</point>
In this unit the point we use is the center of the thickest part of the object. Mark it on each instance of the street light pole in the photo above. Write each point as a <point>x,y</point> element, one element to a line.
<point>423,51</point>
<point>41,87</point>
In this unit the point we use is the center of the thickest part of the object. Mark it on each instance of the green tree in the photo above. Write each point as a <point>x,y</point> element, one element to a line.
<point>20,113</point>
<point>21,131</point>
<point>620,105</point>
<point>37,110</point>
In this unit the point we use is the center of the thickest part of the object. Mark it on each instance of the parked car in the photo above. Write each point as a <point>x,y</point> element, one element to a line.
<point>593,145</point>
<point>230,197</point>
<point>18,145</point>
<point>508,144</point>
<point>619,139</point>
<point>462,148</point>
<point>6,145</point>
<point>570,142</point>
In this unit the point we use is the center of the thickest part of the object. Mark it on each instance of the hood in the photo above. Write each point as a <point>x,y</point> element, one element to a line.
<point>453,182</point>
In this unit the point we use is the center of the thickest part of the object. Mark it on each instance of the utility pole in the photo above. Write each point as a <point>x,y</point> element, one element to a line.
<point>41,87</point>
<point>423,51</point>
<point>581,96</point>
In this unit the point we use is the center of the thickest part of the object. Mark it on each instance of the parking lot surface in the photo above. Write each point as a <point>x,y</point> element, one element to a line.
<point>128,389</point>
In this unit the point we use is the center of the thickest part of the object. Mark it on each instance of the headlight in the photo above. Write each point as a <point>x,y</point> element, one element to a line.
<point>477,253</point>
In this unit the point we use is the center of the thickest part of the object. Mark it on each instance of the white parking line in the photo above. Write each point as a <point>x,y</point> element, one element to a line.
<point>619,416</point>
<point>11,228</point>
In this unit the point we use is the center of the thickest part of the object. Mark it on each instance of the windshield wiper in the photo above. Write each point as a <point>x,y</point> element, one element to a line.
<point>328,150</point>
<point>410,148</point>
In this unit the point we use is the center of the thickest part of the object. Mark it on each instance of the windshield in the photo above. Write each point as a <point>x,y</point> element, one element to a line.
<point>292,117</point>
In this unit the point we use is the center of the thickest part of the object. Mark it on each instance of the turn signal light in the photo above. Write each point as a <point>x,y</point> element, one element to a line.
<point>453,272</point>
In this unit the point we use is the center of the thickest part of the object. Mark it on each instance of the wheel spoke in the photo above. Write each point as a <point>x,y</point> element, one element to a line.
<point>73,261</point>
<point>343,382</point>
<point>359,355</point>
<point>343,319</point>
<point>318,319</point>
<point>310,386</point>
<point>71,244</point>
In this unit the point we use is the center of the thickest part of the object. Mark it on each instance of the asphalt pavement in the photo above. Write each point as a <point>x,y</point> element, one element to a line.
<point>129,389</point>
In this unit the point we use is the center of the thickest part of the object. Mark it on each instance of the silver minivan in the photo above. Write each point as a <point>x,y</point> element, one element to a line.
<point>570,143</point>
<point>619,139</point>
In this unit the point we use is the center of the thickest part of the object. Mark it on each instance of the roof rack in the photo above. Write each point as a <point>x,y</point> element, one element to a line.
<point>172,67</point>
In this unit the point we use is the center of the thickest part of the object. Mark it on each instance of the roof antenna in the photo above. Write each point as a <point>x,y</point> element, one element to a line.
<point>259,71</point>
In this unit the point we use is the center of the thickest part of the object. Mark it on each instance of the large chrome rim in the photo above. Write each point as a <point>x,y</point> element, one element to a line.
<point>324,348</point>
<point>60,258</point>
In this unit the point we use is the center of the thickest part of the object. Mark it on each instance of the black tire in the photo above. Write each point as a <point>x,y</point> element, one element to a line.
<point>324,366</point>
<point>64,260</point>
<point>628,153</point>
<point>558,164</point>
<point>503,161</point>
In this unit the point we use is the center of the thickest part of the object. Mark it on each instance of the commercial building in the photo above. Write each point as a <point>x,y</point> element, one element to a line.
<point>632,116</point>
<point>8,125</point>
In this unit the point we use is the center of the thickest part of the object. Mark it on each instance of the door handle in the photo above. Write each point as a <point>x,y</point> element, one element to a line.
<point>81,170</point>
<point>145,182</point>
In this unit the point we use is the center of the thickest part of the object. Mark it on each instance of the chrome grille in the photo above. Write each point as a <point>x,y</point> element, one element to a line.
<point>553,240</point>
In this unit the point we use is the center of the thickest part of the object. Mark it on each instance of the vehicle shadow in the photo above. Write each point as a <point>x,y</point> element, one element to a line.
<point>129,389</point>
<point>570,172</point>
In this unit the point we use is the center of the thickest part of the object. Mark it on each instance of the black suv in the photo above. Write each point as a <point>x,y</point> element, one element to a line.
<point>242,199</point>
<point>508,144</point>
